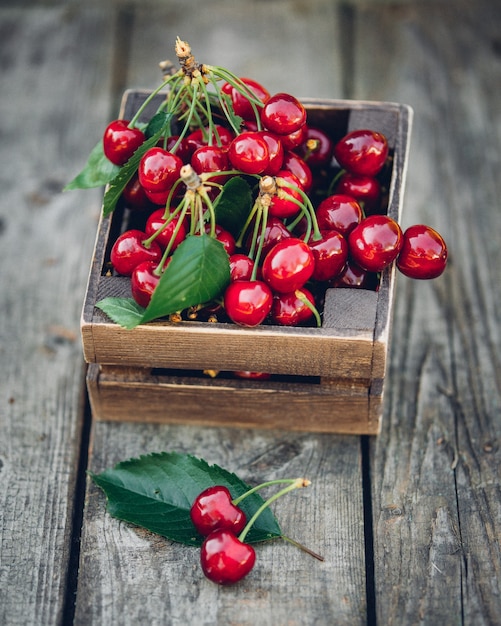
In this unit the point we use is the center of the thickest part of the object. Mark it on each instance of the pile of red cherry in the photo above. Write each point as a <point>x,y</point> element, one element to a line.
<point>319,216</point>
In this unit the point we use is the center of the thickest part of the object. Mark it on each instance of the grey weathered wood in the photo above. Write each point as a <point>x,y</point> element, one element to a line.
<point>436,467</point>
<point>129,576</point>
<point>49,74</point>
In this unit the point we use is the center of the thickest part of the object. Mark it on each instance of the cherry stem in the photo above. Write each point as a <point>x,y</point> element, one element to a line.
<point>306,301</point>
<point>269,483</point>
<point>297,484</point>
<point>295,543</point>
<point>150,97</point>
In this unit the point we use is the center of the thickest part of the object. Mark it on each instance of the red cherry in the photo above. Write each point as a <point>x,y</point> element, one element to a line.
<point>241,104</point>
<point>120,142</point>
<point>129,250</point>
<point>423,254</point>
<point>159,170</point>
<point>211,159</point>
<point>331,254</point>
<point>283,205</point>
<point>157,221</point>
<point>355,277</point>
<point>252,375</point>
<point>249,153</point>
<point>283,114</point>
<point>293,140</point>
<point>290,310</point>
<point>213,509</point>
<point>297,166</point>
<point>275,150</point>
<point>288,265</point>
<point>143,281</point>
<point>339,212</point>
<point>134,195</point>
<point>183,150</point>
<point>248,302</point>
<point>219,135</point>
<point>365,189</point>
<point>316,147</point>
<point>241,267</point>
<point>375,242</point>
<point>225,237</point>
<point>225,559</point>
<point>362,152</point>
<point>274,232</point>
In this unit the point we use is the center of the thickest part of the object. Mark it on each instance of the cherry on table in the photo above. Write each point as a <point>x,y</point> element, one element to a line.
<point>241,266</point>
<point>283,114</point>
<point>143,282</point>
<point>365,189</point>
<point>316,148</point>
<point>423,254</point>
<point>213,509</point>
<point>291,310</point>
<point>225,559</point>
<point>248,152</point>
<point>330,253</point>
<point>158,170</point>
<point>375,242</point>
<point>339,212</point>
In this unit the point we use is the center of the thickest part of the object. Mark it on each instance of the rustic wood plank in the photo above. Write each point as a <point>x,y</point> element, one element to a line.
<point>130,576</point>
<point>436,466</point>
<point>49,73</point>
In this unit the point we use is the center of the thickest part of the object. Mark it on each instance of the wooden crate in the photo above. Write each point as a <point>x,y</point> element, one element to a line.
<point>328,379</point>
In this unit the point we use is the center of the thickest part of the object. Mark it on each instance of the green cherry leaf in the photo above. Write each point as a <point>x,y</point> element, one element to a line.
<point>97,172</point>
<point>123,311</point>
<point>233,205</point>
<point>156,492</point>
<point>198,272</point>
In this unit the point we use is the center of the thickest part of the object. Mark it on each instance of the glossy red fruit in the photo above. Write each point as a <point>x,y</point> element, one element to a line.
<point>247,302</point>
<point>225,237</point>
<point>211,159</point>
<point>143,282</point>
<point>423,254</point>
<point>213,509</point>
<point>241,267</point>
<point>339,212</point>
<point>301,170</point>
<point>247,375</point>
<point>375,242</point>
<point>362,152</point>
<point>120,142</point>
<point>274,232</point>
<point>330,253</point>
<point>291,141</point>
<point>316,148</point>
<point>249,153</point>
<point>355,277</point>
<point>283,114</point>
<point>167,226</point>
<point>183,149</point>
<point>225,559</point>
<point>285,203</point>
<point>218,135</point>
<point>290,310</point>
<point>365,189</point>
<point>288,265</point>
<point>159,170</point>
<point>241,104</point>
<point>134,195</point>
<point>129,250</point>
<point>275,150</point>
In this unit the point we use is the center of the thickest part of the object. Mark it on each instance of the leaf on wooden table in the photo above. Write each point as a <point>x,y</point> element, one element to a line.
<point>156,492</point>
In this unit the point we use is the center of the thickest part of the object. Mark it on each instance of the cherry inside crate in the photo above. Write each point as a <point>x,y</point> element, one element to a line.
<point>328,379</point>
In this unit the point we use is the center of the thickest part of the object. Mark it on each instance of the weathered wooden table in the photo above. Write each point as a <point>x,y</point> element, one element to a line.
<point>409,522</point>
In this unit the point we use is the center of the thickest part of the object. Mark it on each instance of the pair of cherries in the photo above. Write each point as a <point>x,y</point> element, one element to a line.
<point>225,558</point>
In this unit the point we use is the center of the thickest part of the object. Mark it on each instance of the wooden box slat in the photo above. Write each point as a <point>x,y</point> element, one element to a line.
<point>347,354</point>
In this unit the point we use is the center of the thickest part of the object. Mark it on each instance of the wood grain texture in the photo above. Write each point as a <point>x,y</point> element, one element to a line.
<point>128,575</point>
<point>48,75</point>
<point>436,466</point>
